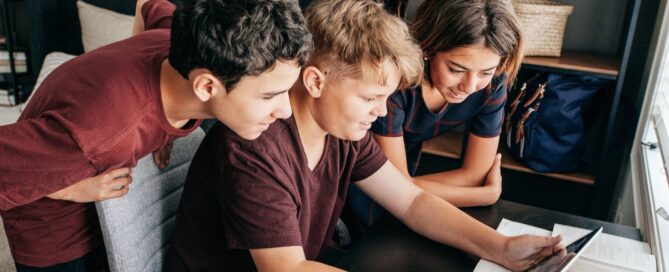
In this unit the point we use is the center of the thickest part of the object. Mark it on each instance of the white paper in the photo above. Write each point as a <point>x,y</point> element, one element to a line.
<point>509,228</point>
<point>488,266</point>
<point>571,234</point>
<point>610,250</point>
<point>606,253</point>
<point>587,265</point>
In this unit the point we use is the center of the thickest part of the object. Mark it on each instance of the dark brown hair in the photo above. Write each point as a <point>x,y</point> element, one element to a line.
<point>443,25</point>
<point>235,38</point>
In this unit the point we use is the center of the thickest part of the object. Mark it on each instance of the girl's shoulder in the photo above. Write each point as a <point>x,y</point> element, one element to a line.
<point>499,81</point>
<point>498,86</point>
<point>406,97</point>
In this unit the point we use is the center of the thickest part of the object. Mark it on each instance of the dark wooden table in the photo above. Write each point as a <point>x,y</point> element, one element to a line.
<point>391,246</point>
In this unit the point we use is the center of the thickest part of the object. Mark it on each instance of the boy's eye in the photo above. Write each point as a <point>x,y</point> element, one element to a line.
<point>369,99</point>
<point>268,97</point>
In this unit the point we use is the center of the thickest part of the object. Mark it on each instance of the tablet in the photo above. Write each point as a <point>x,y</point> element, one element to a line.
<point>557,263</point>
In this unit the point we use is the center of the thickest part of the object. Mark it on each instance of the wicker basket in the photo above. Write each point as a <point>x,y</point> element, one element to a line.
<point>543,23</point>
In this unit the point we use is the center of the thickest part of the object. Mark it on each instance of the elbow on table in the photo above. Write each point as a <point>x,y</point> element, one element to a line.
<point>492,196</point>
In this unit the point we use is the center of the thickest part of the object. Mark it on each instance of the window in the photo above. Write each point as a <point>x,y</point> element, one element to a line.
<point>650,156</point>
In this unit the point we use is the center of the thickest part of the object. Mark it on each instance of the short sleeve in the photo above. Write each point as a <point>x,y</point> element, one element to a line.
<point>157,14</point>
<point>370,158</point>
<point>258,202</point>
<point>39,157</point>
<point>488,121</point>
<point>392,124</point>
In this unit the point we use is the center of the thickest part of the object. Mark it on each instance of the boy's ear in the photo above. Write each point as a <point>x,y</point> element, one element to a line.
<point>313,80</point>
<point>205,84</point>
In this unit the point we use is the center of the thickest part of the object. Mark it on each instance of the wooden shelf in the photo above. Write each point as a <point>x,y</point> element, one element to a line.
<point>449,145</point>
<point>581,62</point>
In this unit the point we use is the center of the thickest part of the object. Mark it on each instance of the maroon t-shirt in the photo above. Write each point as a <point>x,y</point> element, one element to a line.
<point>98,112</point>
<point>241,195</point>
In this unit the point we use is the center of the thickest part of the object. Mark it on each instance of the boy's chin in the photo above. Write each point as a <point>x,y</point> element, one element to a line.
<point>351,135</point>
<point>249,135</point>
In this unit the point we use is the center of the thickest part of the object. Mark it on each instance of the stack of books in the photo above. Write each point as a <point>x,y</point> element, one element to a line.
<point>20,63</point>
<point>7,99</point>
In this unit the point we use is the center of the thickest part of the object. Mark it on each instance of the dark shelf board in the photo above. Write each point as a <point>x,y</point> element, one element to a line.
<point>576,62</point>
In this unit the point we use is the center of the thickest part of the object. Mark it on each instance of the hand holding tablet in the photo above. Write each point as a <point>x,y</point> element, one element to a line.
<point>561,262</point>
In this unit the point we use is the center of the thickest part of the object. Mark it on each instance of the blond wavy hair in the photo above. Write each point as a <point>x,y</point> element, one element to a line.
<point>353,38</point>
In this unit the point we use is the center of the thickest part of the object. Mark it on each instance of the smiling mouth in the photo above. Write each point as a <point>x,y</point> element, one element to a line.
<point>366,124</point>
<point>268,123</point>
<point>456,94</point>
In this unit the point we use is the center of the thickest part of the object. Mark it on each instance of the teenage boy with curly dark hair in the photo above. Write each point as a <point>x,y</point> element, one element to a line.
<point>96,115</point>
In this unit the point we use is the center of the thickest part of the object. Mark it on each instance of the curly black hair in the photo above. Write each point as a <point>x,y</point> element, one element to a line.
<point>235,38</point>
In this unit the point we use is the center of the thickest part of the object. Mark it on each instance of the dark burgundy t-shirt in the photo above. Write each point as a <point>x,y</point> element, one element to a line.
<point>241,195</point>
<point>98,112</point>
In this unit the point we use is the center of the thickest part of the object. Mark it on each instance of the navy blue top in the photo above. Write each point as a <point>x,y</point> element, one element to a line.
<point>408,116</point>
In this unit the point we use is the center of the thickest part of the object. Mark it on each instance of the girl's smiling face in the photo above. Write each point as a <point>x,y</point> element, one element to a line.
<point>461,71</point>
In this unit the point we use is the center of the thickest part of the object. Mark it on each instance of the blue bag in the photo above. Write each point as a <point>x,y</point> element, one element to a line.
<point>544,124</point>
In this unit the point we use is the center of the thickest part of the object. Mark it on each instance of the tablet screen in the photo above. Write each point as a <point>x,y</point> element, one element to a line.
<point>561,263</point>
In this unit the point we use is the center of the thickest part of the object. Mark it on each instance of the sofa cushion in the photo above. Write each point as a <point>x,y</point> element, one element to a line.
<point>100,27</point>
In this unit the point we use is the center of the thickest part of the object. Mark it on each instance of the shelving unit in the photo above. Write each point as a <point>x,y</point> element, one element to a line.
<point>576,62</point>
<point>624,108</point>
<point>11,80</point>
<point>449,146</point>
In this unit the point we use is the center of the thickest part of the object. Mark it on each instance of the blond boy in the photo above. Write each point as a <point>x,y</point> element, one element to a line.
<point>272,204</point>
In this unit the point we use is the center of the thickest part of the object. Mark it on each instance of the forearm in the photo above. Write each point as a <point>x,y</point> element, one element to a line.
<point>286,263</point>
<point>476,164</point>
<point>138,25</point>
<point>289,258</point>
<point>39,158</point>
<point>460,196</point>
<point>308,266</point>
<point>456,177</point>
<point>438,220</point>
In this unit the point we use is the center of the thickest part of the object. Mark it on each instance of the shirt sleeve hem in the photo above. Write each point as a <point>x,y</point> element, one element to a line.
<point>487,135</point>
<point>374,166</point>
<point>267,241</point>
